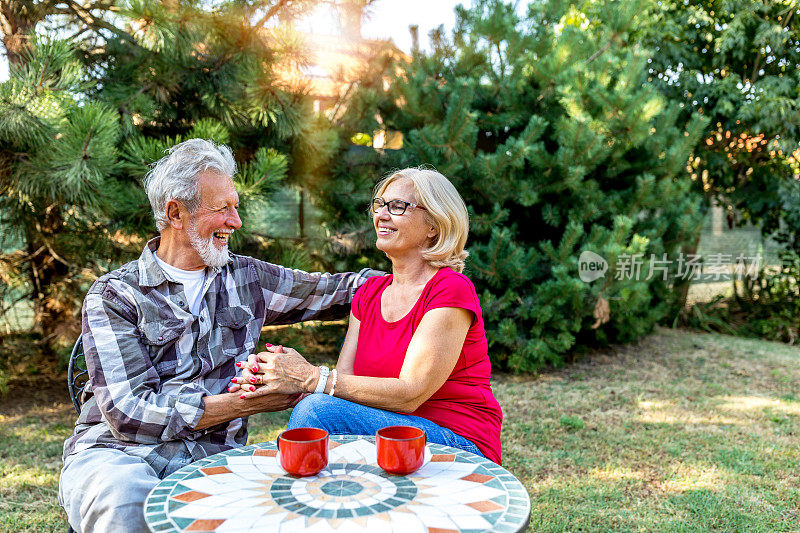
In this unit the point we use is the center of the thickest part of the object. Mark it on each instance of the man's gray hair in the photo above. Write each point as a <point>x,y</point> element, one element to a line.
<point>174,176</point>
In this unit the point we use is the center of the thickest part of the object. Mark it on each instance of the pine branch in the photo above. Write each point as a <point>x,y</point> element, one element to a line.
<point>271,12</point>
<point>25,258</point>
<point>341,101</point>
<point>602,50</point>
<point>93,22</point>
<point>78,33</point>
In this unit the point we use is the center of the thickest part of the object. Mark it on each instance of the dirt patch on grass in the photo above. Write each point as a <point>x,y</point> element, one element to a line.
<point>39,395</point>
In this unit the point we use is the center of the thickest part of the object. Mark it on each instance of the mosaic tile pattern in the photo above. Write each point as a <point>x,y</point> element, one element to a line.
<point>245,489</point>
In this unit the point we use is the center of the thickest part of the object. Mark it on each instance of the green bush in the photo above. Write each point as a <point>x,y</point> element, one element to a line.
<point>547,127</point>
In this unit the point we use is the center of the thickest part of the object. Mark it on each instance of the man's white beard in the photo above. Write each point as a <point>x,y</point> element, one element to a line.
<point>209,253</point>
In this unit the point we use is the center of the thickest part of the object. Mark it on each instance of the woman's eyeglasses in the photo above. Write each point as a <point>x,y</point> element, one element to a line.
<point>396,207</point>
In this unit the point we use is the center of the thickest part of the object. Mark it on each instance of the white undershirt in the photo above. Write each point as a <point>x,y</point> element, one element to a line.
<point>192,281</point>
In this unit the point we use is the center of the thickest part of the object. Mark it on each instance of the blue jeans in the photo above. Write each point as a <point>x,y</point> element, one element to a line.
<point>342,417</point>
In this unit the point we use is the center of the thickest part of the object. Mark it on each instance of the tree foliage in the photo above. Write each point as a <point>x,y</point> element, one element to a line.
<point>738,63</point>
<point>548,128</point>
<point>56,153</point>
<point>82,120</point>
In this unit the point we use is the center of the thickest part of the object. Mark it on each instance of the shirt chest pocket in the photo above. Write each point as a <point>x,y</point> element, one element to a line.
<point>161,339</point>
<point>235,335</point>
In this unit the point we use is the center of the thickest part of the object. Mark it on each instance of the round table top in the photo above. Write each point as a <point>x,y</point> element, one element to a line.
<point>245,489</point>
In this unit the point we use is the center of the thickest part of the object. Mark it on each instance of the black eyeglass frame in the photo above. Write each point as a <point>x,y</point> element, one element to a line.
<point>399,206</point>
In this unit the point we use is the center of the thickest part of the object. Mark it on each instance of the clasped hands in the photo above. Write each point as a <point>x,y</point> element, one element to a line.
<point>279,370</point>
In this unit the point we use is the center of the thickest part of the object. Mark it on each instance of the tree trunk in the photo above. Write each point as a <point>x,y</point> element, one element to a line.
<point>17,20</point>
<point>50,292</point>
<point>301,213</point>
<point>51,316</point>
<point>681,289</point>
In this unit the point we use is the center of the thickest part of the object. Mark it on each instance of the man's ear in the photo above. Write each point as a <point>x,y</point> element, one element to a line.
<point>175,214</point>
<point>432,232</point>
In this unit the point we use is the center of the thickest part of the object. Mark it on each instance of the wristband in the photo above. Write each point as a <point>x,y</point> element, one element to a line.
<point>333,385</point>
<point>324,371</point>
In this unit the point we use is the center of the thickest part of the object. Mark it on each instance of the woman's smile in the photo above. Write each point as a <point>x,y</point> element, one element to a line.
<point>385,230</point>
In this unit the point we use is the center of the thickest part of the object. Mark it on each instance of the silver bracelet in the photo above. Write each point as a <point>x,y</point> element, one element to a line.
<point>324,372</point>
<point>335,379</point>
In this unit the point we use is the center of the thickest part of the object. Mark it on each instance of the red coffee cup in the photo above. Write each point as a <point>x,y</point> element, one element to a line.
<point>303,451</point>
<point>401,449</point>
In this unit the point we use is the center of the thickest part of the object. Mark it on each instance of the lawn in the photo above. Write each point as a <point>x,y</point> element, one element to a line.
<point>682,432</point>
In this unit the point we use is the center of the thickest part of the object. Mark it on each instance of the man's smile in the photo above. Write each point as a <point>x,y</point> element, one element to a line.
<point>222,236</point>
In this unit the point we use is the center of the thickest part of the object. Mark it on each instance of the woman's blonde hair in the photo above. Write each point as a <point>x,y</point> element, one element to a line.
<point>445,210</point>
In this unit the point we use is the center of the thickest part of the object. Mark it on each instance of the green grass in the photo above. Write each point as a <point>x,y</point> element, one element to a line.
<point>683,432</point>
<point>30,461</point>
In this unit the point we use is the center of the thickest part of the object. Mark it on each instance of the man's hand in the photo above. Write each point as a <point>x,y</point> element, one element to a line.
<point>267,403</point>
<point>221,408</point>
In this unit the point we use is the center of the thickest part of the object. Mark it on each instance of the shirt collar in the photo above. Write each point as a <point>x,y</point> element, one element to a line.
<point>151,274</point>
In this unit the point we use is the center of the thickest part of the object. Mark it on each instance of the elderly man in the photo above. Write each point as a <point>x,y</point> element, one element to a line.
<point>163,336</point>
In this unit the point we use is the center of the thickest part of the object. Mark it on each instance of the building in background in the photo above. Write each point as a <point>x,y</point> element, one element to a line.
<point>337,57</point>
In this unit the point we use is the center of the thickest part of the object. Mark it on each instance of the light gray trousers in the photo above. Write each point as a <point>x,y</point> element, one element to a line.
<point>103,490</point>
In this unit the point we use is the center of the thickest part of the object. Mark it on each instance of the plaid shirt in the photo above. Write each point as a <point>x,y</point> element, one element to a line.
<point>151,361</point>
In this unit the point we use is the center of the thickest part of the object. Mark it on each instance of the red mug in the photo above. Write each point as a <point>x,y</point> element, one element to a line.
<point>401,449</point>
<point>303,451</point>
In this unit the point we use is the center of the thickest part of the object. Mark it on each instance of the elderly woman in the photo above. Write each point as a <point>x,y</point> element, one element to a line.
<point>415,352</point>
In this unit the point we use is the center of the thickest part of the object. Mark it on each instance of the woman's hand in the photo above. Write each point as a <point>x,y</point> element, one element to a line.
<point>246,383</point>
<point>278,370</point>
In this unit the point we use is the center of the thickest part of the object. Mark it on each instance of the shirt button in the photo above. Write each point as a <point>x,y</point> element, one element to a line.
<point>202,318</point>
<point>161,338</point>
<point>180,303</point>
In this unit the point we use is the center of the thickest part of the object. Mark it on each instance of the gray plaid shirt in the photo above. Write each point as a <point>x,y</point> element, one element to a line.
<point>151,361</point>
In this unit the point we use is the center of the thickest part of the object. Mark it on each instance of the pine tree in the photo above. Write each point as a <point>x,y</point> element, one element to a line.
<point>81,121</point>
<point>547,127</point>
<point>56,153</point>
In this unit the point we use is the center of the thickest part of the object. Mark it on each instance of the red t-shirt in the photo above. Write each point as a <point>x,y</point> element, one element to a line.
<point>465,403</point>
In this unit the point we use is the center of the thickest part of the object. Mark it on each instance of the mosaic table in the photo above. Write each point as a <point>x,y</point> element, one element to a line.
<point>245,489</point>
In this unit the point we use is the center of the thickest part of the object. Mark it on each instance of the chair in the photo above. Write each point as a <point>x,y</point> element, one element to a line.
<point>77,375</point>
